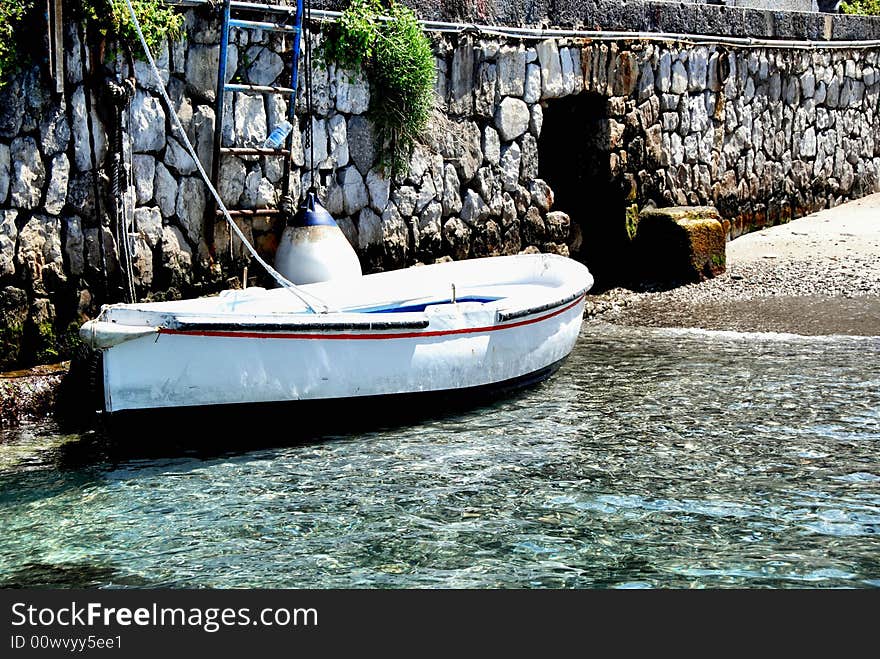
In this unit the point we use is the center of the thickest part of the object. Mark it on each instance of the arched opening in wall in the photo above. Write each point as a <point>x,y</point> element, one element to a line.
<point>574,155</point>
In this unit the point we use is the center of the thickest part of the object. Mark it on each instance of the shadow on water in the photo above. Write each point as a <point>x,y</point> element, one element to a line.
<point>203,433</point>
<point>68,575</point>
<point>177,441</point>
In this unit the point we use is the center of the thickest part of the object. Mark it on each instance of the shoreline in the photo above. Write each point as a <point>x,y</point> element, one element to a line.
<point>816,275</point>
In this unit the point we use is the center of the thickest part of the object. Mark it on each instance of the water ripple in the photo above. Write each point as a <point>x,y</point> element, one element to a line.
<point>653,458</point>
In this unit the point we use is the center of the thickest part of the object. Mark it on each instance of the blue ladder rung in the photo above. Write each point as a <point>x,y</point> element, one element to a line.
<point>257,89</point>
<point>295,16</point>
<point>274,27</point>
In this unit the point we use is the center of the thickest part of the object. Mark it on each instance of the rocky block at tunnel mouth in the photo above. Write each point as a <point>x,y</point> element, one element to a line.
<point>680,244</point>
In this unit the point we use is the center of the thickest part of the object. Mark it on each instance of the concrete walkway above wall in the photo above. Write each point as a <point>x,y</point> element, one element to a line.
<point>650,16</point>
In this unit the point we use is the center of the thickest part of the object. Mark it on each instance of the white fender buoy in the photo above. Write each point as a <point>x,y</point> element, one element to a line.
<point>313,247</point>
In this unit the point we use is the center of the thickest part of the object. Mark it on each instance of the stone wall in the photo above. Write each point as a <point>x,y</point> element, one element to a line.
<point>765,134</point>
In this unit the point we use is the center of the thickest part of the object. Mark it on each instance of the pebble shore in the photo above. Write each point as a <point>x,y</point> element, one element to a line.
<point>817,274</point>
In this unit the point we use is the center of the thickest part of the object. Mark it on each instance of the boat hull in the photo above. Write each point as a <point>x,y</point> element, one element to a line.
<point>226,425</point>
<point>232,365</point>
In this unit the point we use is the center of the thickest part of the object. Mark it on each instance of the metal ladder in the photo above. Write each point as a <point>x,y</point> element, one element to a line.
<point>232,18</point>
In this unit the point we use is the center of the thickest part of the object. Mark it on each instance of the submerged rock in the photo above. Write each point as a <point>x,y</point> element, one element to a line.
<point>28,395</point>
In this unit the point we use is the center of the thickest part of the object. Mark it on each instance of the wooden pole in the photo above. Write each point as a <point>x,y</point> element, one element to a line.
<point>55,16</point>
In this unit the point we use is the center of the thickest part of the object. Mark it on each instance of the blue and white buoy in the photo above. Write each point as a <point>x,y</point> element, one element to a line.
<point>313,247</point>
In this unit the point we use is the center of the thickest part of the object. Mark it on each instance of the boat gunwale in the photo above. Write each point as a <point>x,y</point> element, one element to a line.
<point>186,326</point>
<point>521,313</point>
<point>254,331</point>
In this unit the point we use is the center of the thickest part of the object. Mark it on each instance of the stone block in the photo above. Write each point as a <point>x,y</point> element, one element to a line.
<point>680,243</point>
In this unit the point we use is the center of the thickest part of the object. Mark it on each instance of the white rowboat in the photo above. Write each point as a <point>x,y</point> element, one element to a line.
<point>451,326</point>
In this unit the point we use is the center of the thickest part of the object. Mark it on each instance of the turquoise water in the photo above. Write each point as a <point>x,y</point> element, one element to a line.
<point>653,458</point>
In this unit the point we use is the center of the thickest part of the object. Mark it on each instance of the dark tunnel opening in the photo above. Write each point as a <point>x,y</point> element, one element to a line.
<point>574,156</point>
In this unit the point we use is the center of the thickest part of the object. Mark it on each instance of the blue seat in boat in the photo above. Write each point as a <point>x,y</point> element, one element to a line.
<point>405,306</point>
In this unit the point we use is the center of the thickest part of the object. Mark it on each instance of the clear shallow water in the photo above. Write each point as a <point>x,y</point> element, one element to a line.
<point>653,458</point>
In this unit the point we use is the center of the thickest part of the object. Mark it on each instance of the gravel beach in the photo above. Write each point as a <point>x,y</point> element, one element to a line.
<point>816,275</point>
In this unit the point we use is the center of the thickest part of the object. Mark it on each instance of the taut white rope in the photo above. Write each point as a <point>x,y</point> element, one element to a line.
<point>312,302</point>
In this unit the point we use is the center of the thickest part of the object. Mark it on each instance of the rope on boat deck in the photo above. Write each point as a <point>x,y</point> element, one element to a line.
<point>314,304</point>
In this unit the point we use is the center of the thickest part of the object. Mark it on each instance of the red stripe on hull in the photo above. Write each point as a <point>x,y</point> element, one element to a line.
<point>366,336</point>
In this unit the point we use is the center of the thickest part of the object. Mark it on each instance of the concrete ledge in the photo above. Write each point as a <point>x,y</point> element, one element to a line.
<point>646,15</point>
<point>681,243</point>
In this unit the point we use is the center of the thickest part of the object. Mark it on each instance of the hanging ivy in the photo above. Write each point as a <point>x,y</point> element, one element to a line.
<point>865,7</point>
<point>159,22</point>
<point>12,14</point>
<point>397,57</point>
<point>107,19</point>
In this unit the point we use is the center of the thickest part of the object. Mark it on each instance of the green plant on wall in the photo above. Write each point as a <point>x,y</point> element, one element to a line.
<point>159,22</point>
<point>11,14</point>
<point>107,19</point>
<point>867,7</point>
<point>399,63</point>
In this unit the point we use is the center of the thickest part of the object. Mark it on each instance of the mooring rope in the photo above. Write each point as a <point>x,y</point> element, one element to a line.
<point>314,304</point>
<point>310,129</point>
<point>120,182</point>
<point>86,71</point>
